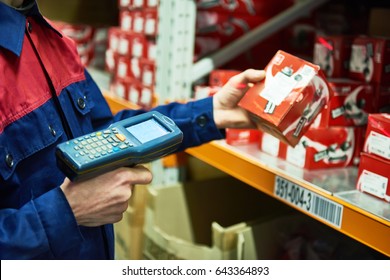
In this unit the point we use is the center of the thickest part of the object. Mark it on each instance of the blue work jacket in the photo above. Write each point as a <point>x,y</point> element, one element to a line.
<point>36,221</point>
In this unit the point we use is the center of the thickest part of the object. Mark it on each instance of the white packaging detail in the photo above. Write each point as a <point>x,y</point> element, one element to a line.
<point>373,183</point>
<point>133,95</point>
<point>135,67</point>
<point>126,22</point>
<point>150,25</point>
<point>124,3</point>
<point>147,77</point>
<point>138,3</point>
<point>270,144</point>
<point>122,69</point>
<point>123,46</point>
<point>152,51</point>
<point>110,61</point>
<point>146,97</point>
<point>378,144</point>
<point>152,3</point>
<point>281,85</point>
<point>137,48</point>
<point>296,155</point>
<point>120,90</point>
<point>139,24</point>
<point>114,43</point>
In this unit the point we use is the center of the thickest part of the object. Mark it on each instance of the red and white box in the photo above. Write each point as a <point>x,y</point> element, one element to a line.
<point>128,67</point>
<point>220,77</point>
<point>320,148</point>
<point>373,176</point>
<point>290,97</point>
<point>237,136</point>
<point>377,140</point>
<point>148,72</point>
<point>350,105</point>
<point>131,44</point>
<point>332,54</point>
<point>270,144</point>
<point>131,4</point>
<point>370,60</point>
<point>150,22</point>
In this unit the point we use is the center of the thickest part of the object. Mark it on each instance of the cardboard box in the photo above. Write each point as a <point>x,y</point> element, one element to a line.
<point>373,176</point>
<point>370,60</point>
<point>199,220</point>
<point>332,54</point>
<point>350,105</point>
<point>129,231</point>
<point>377,140</point>
<point>287,101</point>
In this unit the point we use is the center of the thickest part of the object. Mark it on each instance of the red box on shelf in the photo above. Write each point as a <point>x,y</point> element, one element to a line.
<point>350,105</point>
<point>290,97</point>
<point>332,54</point>
<point>237,136</point>
<point>377,139</point>
<point>270,144</point>
<point>370,60</point>
<point>374,177</point>
<point>321,148</point>
<point>131,44</point>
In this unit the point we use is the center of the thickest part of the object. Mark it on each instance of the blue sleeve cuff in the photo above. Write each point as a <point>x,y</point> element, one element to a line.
<point>58,221</point>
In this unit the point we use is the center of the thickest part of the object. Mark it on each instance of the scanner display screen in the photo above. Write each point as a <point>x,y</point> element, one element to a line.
<point>147,131</point>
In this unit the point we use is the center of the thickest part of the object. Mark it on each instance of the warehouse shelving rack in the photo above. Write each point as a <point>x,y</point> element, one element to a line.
<point>355,214</point>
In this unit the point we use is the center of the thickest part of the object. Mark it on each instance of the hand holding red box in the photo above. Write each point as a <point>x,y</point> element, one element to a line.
<point>287,101</point>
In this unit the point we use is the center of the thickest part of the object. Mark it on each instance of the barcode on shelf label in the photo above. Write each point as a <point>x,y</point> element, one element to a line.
<point>308,201</point>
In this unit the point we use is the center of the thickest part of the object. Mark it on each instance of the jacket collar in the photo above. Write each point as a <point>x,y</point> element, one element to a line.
<point>13,24</point>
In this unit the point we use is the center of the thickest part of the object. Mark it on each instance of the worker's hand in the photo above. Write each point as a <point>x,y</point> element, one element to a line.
<point>103,199</point>
<point>226,112</point>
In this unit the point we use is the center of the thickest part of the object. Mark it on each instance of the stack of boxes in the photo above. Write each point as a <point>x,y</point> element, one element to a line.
<point>373,175</point>
<point>131,52</point>
<point>91,42</point>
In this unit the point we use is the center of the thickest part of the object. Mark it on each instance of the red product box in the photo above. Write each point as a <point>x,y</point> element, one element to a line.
<point>220,77</point>
<point>377,140</point>
<point>350,105</point>
<point>247,7</point>
<point>133,4</point>
<point>113,38</point>
<point>287,101</point>
<point>126,20</point>
<point>111,60</point>
<point>370,60</point>
<point>148,72</point>
<point>237,136</point>
<point>131,44</point>
<point>373,176</point>
<point>323,148</point>
<point>128,67</point>
<point>150,22</point>
<point>332,54</point>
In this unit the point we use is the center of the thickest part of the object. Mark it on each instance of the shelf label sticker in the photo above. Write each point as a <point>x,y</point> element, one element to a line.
<point>308,201</point>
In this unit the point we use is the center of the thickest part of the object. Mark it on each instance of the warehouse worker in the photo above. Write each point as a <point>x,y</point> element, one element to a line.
<point>47,97</point>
